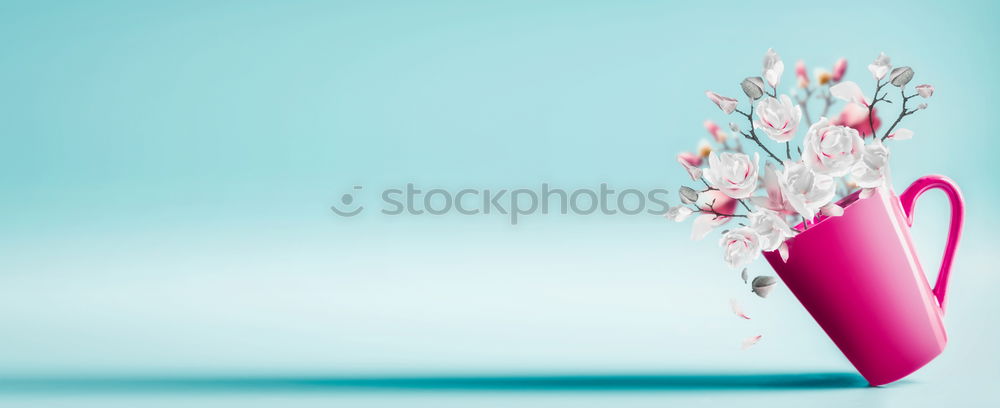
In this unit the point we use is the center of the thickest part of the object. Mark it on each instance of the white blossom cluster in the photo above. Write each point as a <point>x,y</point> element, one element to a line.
<point>836,156</point>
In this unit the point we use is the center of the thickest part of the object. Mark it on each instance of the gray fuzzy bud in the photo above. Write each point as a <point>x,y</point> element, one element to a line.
<point>763,285</point>
<point>688,195</point>
<point>901,76</point>
<point>753,87</point>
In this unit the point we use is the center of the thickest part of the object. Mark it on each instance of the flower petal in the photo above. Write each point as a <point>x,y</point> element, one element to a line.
<point>737,310</point>
<point>750,341</point>
<point>703,225</point>
<point>832,210</point>
<point>902,134</point>
<point>783,251</point>
<point>848,91</point>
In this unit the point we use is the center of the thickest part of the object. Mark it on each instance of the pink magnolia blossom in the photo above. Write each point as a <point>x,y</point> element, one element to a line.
<point>725,103</point>
<point>800,73</point>
<point>716,132</point>
<point>855,117</point>
<point>839,68</point>
<point>690,158</point>
<point>855,113</point>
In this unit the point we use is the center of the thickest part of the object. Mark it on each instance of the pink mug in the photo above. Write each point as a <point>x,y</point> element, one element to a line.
<point>859,277</point>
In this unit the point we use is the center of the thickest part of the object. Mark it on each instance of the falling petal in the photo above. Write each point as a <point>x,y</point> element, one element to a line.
<point>902,134</point>
<point>866,192</point>
<point>750,341</point>
<point>783,251</point>
<point>832,210</point>
<point>763,285</point>
<point>744,275</point>
<point>737,309</point>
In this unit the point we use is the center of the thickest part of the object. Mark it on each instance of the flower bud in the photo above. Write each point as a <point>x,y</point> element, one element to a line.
<point>823,77</point>
<point>753,87</point>
<point>901,76</point>
<point>925,90</point>
<point>763,285</point>
<point>725,103</point>
<point>922,106</point>
<point>800,73</point>
<point>704,148</point>
<point>839,68</point>
<point>734,127</point>
<point>688,195</point>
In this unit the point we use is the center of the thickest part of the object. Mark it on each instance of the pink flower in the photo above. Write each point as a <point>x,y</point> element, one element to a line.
<point>725,103</point>
<point>690,162</point>
<point>715,131</point>
<point>839,68</point>
<point>925,90</point>
<point>723,204</point>
<point>690,159</point>
<point>855,116</point>
<point>800,73</point>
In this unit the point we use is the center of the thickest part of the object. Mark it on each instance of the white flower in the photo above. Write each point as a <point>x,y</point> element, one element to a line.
<point>678,213</point>
<point>771,227</point>
<point>873,169</point>
<point>832,150</point>
<point>773,67</point>
<point>805,190</point>
<point>779,118</point>
<point>775,200</point>
<point>733,173</point>
<point>740,247</point>
<point>880,67</point>
<point>725,103</point>
<point>925,90</point>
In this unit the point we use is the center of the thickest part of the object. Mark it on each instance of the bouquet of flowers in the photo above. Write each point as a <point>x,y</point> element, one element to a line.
<point>798,185</point>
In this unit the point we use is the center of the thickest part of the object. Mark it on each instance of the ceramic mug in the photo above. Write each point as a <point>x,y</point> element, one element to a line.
<point>859,277</point>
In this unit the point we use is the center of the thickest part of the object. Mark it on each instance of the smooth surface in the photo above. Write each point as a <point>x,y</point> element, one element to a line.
<point>859,277</point>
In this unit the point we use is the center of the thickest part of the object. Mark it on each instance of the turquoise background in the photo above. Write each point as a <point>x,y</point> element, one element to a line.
<point>167,170</point>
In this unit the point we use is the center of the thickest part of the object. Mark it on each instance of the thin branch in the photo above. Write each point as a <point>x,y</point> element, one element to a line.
<point>902,113</point>
<point>718,214</point>
<point>744,205</point>
<point>753,135</point>
<point>871,106</point>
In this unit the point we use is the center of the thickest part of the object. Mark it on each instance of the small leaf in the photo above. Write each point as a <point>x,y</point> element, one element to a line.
<point>750,341</point>
<point>763,285</point>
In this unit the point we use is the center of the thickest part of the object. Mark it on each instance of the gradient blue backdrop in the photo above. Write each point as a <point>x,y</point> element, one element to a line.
<point>167,171</point>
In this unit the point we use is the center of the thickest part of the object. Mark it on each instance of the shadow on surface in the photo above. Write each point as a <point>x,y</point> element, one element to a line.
<point>593,382</point>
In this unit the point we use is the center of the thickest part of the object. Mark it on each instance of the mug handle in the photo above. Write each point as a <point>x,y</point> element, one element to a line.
<point>909,199</point>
